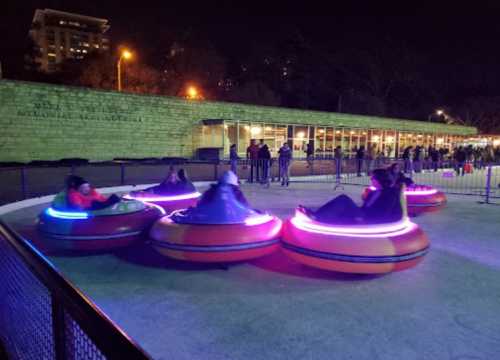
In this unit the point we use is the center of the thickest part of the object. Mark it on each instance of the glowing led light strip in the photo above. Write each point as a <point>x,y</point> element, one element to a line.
<point>162,210</point>
<point>258,220</point>
<point>194,195</point>
<point>72,215</point>
<point>302,222</point>
<point>414,192</point>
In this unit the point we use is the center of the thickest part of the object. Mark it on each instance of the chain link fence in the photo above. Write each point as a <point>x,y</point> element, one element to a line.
<point>42,316</point>
<point>17,183</point>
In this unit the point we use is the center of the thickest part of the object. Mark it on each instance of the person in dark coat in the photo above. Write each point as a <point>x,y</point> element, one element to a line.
<point>383,205</point>
<point>360,156</point>
<point>398,177</point>
<point>265,159</point>
<point>407,159</point>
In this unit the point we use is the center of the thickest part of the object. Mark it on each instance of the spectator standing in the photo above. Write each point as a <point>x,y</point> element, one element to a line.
<point>434,156</point>
<point>360,156</point>
<point>460,158</point>
<point>265,159</point>
<point>233,158</point>
<point>417,159</point>
<point>310,154</point>
<point>253,156</point>
<point>284,160</point>
<point>407,159</point>
<point>337,156</point>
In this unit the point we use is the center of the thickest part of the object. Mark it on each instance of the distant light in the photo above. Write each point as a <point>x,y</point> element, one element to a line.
<point>321,131</point>
<point>439,112</point>
<point>255,130</point>
<point>375,138</point>
<point>301,134</point>
<point>268,128</point>
<point>126,54</point>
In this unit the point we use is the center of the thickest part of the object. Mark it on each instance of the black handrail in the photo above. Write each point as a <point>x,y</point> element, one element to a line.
<point>112,341</point>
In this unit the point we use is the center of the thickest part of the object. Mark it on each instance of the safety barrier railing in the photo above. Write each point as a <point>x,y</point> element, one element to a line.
<point>17,183</point>
<point>42,316</point>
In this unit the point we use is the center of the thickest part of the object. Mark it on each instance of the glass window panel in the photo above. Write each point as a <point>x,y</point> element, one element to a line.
<point>281,135</point>
<point>390,143</point>
<point>244,138</point>
<point>338,138</point>
<point>329,139</point>
<point>300,140</point>
<point>230,136</point>
<point>320,140</point>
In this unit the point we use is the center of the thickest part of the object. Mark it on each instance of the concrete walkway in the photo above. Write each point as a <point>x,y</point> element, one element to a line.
<point>446,308</point>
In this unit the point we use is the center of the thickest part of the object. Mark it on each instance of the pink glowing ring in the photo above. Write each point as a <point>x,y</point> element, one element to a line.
<point>304,223</point>
<point>169,198</point>
<point>368,249</point>
<point>411,191</point>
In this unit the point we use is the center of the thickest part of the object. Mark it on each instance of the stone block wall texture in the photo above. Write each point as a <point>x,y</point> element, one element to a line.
<point>50,122</point>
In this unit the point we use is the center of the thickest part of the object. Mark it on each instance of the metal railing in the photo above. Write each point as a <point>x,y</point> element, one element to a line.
<point>42,316</point>
<point>17,183</point>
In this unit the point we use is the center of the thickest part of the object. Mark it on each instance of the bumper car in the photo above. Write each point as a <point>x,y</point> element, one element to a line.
<point>116,226</point>
<point>419,198</point>
<point>222,230</point>
<point>367,249</point>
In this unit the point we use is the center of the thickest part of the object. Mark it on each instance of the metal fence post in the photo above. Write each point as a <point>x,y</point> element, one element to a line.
<point>23,183</point>
<point>488,184</point>
<point>122,173</point>
<point>58,328</point>
<point>216,170</point>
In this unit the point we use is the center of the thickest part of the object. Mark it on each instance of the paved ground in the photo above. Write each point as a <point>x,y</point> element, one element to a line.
<point>446,308</point>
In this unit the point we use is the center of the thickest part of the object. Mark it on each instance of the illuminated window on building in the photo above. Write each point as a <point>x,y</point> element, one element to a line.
<point>243,137</point>
<point>319,143</point>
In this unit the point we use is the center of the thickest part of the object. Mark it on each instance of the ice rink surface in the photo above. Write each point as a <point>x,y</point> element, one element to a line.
<point>448,307</point>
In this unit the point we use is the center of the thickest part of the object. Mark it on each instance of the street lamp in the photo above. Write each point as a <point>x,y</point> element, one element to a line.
<point>192,93</point>
<point>438,112</point>
<point>125,54</point>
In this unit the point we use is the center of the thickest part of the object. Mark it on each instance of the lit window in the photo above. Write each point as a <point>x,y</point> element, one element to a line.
<point>84,51</point>
<point>71,49</point>
<point>86,44</point>
<point>51,54</point>
<point>105,47</point>
<point>62,22</point>
<point>96,46</point>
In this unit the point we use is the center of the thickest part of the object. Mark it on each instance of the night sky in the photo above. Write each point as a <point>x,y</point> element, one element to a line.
<point>463,50</point>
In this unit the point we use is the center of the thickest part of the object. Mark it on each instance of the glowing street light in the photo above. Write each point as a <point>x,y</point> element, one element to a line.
<point>193,93</point>
<point>127,55</point>
<point>439,112</point>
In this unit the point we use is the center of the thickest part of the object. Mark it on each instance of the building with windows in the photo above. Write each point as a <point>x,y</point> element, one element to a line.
<point>61,35</point>
<point>50,122</point>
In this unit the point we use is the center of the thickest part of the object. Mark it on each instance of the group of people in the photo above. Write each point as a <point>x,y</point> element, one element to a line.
<point>382,205</point>
<point>260,161</point>
<point>418,158</point>
<point>80,195</point>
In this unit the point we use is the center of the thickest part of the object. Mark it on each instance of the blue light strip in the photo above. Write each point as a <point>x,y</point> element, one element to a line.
<point>71,215</point>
